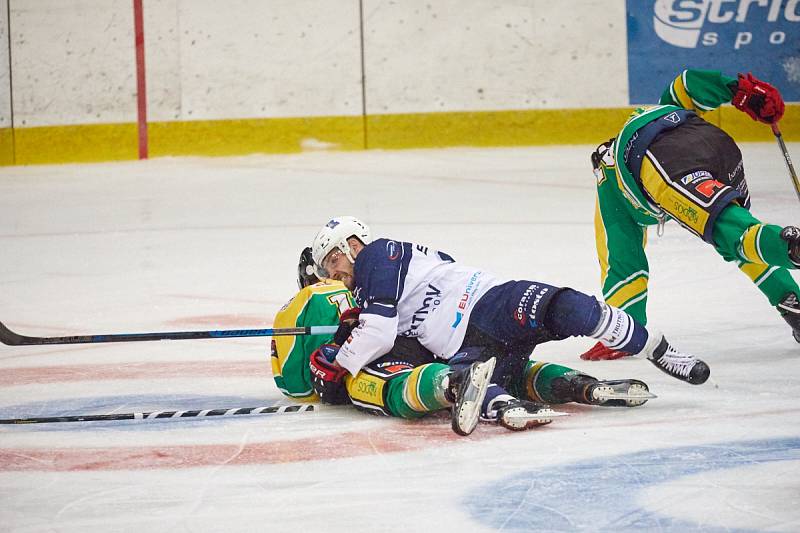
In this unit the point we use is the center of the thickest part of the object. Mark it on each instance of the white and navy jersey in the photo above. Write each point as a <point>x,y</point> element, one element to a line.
<point>410,290</point>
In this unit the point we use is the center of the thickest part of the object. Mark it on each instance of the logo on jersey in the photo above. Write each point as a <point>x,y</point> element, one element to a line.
<point>709,188</point>
<point>531,299</point>
<point>696,176</point>
<point>537,299</point>
<point>464,301</point>
<point>672,117</point>
<point>393,250</point>
<point>433,297</point>
<point>519,314</point>
<point>701,187</point>
<point>686,212</point>
<point>736,171</point>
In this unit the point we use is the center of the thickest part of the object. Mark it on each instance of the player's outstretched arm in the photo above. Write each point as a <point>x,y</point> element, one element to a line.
<point>699,90</point>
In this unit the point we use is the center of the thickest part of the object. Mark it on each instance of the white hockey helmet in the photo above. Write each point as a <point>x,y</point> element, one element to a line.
<point>334,235</point>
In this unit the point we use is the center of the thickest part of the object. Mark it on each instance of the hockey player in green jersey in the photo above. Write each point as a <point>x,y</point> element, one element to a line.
<point>668,163</point>
<point>409,382</point>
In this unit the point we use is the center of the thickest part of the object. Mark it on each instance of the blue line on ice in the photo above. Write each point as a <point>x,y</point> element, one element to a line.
<point>601,494</point>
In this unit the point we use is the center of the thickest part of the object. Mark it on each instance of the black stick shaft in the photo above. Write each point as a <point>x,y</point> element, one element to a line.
<point>15,339</point>
<point>787,158</point>
<point>153,415</point>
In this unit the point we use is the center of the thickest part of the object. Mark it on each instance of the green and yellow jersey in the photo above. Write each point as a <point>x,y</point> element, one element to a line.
<point>697,91</point>
<point>636,190</point>
<point>320,304</point>
<point>623,209</point>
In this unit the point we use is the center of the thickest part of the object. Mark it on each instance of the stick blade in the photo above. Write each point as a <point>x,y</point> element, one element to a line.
<point>10,338</point>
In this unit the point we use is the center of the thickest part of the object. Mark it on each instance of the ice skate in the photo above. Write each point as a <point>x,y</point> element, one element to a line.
<point>618,393</point>
<point>679,365</point>
<point>519,415</point>
<point>789,308</point>
<point>467,388</point>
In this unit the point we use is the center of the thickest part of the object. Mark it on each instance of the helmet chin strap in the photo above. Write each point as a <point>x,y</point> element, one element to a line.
<point>347,250</point>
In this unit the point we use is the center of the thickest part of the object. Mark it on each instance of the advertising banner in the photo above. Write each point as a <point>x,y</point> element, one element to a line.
<point>758,36</point>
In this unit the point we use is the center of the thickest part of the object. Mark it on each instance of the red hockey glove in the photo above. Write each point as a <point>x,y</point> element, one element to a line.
<point>347,323</point>
<point>759,99</point>
<point>327,377</point>
<point>601,352</point>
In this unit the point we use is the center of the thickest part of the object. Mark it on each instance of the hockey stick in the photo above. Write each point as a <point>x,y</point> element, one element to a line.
<point>15,339</point>
<point>205,413</point>
<point>786,157</point>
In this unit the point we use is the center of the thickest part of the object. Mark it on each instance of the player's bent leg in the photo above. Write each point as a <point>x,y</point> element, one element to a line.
<point>552,383</point>
<point>770,245</point>
<point>427,388</point>
<point>773,282</point>
<point>737,233</point>
<point>624,269</point>
<point>619,331</point>
<point>620,242</point>
<point>573,313</point>
<point>740,236</point>
<point>419,392</point>
<point>375,392</point>
<point>400,389</point>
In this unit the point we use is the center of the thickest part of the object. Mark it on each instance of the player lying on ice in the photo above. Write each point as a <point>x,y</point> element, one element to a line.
<point>668,163</point>
<point>408,290</point>
<point>409,381</point>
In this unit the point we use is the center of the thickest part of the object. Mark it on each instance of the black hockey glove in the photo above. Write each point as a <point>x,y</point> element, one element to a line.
<point>327,377</point>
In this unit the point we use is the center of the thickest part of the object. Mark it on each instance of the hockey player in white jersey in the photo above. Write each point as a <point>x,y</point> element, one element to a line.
<point>410,290</point>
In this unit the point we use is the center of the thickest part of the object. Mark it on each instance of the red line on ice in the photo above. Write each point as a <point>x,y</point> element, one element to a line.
<point>400,437</point>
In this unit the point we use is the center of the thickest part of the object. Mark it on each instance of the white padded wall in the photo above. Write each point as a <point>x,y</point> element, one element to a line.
<point>252,58</point>
<point>73,62</point>
<point>463,55</point>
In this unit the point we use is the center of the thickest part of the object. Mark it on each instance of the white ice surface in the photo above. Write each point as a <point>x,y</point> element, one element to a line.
<point>196,244</point>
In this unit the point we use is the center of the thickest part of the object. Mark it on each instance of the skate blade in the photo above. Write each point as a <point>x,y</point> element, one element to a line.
<point>634,393</point>
<point>466,415</point>
<point>521,419</point>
